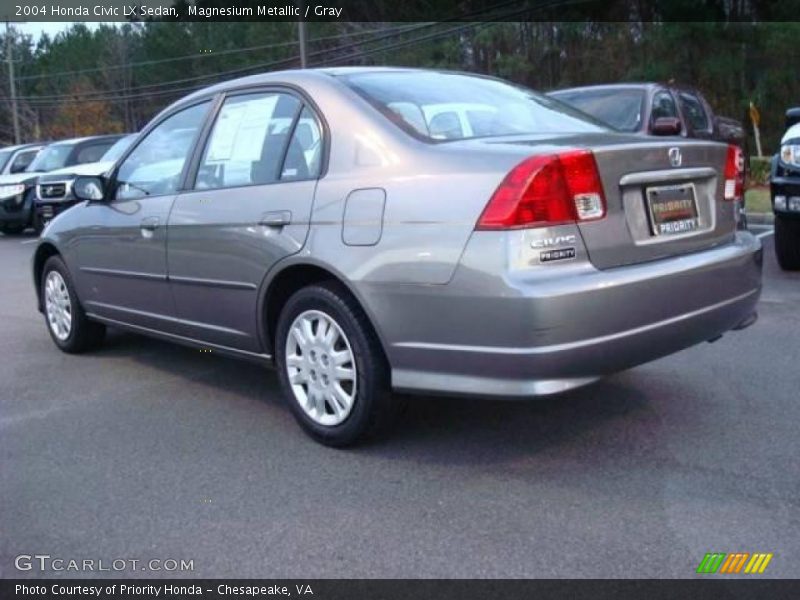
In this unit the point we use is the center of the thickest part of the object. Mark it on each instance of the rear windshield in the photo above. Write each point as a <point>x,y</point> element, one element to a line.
<point>447,106</point>
<point>620,108</point>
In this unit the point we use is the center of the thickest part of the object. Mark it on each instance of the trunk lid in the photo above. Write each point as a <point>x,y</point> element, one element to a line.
<point>645,188</point>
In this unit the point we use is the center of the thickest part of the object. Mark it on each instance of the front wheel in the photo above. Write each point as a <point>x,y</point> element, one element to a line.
<point>331,366</point>
<point>66,321</point>
<point>787,243</point>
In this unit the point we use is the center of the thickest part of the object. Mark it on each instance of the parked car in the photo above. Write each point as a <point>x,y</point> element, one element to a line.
<point>15,159</point>
<point>312,220</point>
<point>18,191</point>
<point>658,109</point>
<point>785,192</point>
<point>54,189</point>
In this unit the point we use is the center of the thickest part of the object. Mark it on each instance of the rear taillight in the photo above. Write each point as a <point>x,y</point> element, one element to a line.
<point>734,173</point>
<point>547,190</point>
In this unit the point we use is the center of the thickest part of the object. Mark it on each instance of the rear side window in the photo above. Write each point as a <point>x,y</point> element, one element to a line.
<point>251,136</point>
<point>694,111</point>
<point>304,153</point>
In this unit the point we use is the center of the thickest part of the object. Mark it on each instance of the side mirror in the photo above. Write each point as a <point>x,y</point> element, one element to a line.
<point>666,126</point>
<point>92,189</point>
<point>18,168</point>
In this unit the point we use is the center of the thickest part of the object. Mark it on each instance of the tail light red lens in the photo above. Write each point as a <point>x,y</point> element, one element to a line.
<point>734,173</point>
<point>547,190</point>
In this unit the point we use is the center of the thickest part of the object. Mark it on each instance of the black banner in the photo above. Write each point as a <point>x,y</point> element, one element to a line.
<point>219,589</point>
<point>408,10</point>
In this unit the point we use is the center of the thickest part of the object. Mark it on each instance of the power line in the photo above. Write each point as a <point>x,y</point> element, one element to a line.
<point>115,94</point>
<point>159,89</point>
<point>230,51</point>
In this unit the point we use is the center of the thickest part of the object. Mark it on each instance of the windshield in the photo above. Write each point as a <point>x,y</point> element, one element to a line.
<point>448,106</point>
<point>113,153</point>
<point>4,156</point>
<point>620,108</point>
<point>50,158</point>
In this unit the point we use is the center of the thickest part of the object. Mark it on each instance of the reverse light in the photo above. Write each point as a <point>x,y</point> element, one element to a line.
<point>7,191</point>
<point>734,173</point>
<point>547,190</point>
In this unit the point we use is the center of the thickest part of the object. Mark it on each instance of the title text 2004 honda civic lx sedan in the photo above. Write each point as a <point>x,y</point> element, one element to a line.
<point>371,229</point>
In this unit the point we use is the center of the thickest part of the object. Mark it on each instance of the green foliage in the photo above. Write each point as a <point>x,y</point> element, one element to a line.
<point>759,170</point>
<point>133,71</point>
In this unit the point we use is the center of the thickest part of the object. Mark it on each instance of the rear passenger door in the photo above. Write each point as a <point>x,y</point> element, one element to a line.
<point>247,206</point>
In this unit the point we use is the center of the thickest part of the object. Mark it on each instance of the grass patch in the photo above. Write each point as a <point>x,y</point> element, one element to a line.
<point>757,200</point>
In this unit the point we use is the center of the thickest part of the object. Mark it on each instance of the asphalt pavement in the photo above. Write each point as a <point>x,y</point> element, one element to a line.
<point>145,450</point>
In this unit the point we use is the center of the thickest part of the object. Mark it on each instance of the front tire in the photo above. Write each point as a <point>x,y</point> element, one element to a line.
<point>787,243</point>
<point>332,368</point>
<point>66,321</point>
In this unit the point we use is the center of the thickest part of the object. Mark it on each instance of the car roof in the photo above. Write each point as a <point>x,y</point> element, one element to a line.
<point>298,77</point>
<point>606,86</point>
<point>644,86</point>
<point>24,146</point>
<point>88,138</point>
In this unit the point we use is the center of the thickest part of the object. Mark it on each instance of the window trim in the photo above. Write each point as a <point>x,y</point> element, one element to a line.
<point>304,101</point>
<point>145,133</point>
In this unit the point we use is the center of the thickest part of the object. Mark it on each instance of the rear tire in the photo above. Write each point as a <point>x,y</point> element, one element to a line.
<point>38,223</point>
<point>320,327</point>
<point>787,243</point>
<point>64,316</point>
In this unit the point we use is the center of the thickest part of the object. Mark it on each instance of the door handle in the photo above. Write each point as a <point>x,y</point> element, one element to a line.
<point>149,224</point>
<point>278,218</point>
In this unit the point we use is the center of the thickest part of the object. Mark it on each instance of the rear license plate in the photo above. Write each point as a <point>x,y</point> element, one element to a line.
<point>673,209</point>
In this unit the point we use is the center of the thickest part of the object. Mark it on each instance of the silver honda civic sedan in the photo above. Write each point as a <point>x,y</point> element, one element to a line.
<point>374,229</point>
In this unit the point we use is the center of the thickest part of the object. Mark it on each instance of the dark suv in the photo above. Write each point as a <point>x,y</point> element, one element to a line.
<point>785,192</point>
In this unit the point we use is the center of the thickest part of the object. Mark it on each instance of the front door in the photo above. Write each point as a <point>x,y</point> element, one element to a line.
<point>122,251</point>
<point>249,207</point>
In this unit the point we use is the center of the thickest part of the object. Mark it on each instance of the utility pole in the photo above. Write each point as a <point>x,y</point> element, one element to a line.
<point>301,34</point>
<point>12,85</point>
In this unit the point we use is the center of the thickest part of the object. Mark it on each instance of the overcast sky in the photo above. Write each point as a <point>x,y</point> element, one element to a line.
<point>50,28</point>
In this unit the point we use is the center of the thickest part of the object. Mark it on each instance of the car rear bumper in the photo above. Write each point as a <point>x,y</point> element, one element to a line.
<point>527,334</point>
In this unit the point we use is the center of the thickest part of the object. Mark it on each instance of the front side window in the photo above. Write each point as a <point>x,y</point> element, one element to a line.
<point>448,106</point>
<point>258,139</point>
<point>155,166</point>
<point>694,111</point>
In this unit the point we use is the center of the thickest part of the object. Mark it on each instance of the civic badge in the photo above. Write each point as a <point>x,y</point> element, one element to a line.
<point>675,157</point>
